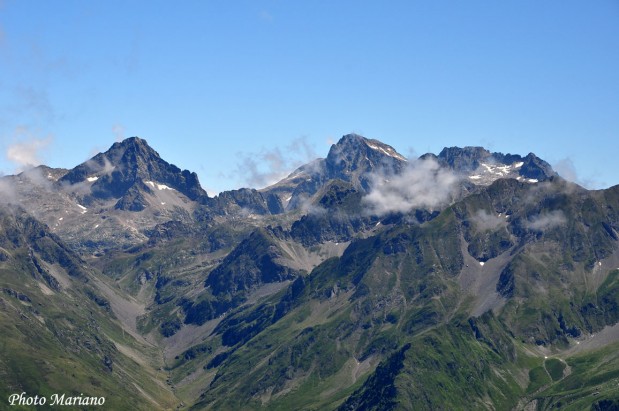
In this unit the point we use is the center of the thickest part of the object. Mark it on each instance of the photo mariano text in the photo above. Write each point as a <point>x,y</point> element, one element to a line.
<point>54,400</point>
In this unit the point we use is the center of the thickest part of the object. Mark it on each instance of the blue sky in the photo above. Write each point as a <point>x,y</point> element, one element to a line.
<point>241,91</point>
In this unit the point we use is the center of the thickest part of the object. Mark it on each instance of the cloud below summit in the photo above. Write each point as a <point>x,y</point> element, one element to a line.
<point>566,169</point>
<point>423,184</point>
<point>485,220</point>
<point>268,166</point>
<point>546,221</point>
<point>27,152</point>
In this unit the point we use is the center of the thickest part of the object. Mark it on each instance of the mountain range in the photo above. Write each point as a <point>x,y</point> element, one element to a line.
<point>364,280</point>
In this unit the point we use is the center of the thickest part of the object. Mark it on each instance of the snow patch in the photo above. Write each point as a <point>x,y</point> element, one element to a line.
<point>61,218</point>
<point>158,185</point>
<point>92,178</point>
<point>475,177</point>
<point>390,153</point>
<point>97,226</point>
<point>499,170</point>
<point>518,165</point>
<point>503,169</point>
<point>84,209</point>
<point>532,180</point>
<point>481,263</point>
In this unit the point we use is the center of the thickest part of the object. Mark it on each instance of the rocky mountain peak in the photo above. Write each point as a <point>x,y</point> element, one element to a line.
<point>352,159</point>
<point>463,158</point>
<point>483,167</point>
<point>353,145</point>
<point>354,155</point>
<point>132,165</point>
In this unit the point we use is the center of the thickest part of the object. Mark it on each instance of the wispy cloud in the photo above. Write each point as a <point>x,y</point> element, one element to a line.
<point>27,150</point>
<point>566,169</point>
<point>36,102</point>
<point>119,132</point>
<point>423,184</point>
<point>484,220</point>
<point>7,192</point>
<point>545,221</point>
<point>271,165</point>
<point>265,16</point>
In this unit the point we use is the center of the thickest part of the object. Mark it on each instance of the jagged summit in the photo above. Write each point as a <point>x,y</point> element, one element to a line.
<point>129,165</point>
<point>354,152</point>
<point>482,167</point>
<point>356,159</point>
<point>352,159</point>
<point>355,142</point>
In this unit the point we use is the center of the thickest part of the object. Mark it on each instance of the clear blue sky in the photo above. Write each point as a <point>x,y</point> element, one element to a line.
<point>219,86</point>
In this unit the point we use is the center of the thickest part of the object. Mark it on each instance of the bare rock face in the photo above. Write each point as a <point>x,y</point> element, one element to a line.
<point>126,164</point>
<point>111,200</point>
<point>483,167</point>
<point>352,159</point>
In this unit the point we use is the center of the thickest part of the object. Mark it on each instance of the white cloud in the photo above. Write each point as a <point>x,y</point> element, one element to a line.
<point>27,151</point>
<point>545,221</point>
<point>271,165</point>
<point>423,184</point>
<point>484,220</point>
<point>566,169</point>
<point>7,192</point>
<point>119,132</point>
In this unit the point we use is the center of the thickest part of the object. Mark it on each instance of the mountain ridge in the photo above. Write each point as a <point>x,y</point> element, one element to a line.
<point>363,279</point>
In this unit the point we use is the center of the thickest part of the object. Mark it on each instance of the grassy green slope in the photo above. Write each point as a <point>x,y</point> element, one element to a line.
<point>59,334</point>
<point>387,326</point>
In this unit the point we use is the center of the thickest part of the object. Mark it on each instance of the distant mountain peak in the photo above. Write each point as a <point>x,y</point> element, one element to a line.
<point>483,167</point>
<point>114,173</point>
<point>352,142</point>
<point>354,155</point>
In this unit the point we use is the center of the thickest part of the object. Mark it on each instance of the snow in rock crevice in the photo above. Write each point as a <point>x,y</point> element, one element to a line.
<point>390,153</point>
<point>159,186</point>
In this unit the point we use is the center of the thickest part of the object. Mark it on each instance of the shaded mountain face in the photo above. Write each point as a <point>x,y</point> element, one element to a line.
<point>129,167</point>
<point>352,159</point>
<point>59,333</point>
<point>482,167</point>
<point>361,281</point>
<point>88,205</point>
